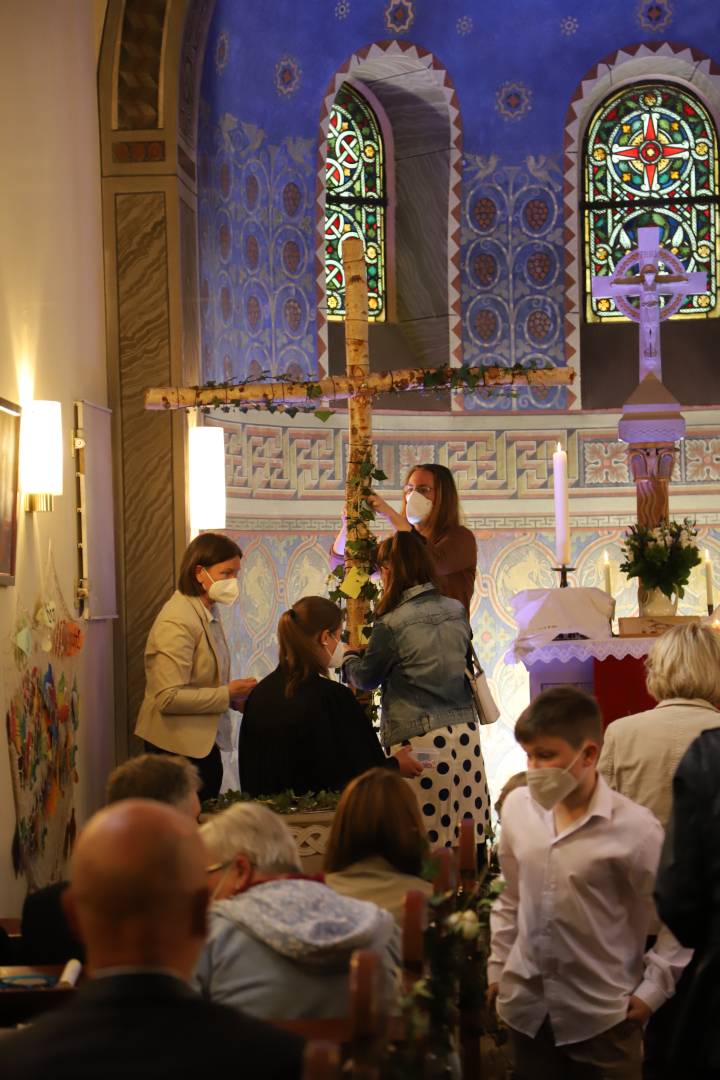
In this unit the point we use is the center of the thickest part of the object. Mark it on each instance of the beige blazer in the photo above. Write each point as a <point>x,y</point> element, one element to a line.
<point>641,752</point>
<point>183,699</point>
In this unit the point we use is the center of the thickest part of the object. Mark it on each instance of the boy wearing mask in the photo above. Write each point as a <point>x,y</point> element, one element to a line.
<point>568,966</point>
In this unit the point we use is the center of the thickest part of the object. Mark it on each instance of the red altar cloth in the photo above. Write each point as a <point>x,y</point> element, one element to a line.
<point>619,686</point>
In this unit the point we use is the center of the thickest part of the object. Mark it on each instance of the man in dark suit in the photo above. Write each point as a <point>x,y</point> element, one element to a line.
<point>46,936</point>
<point>138,899</point>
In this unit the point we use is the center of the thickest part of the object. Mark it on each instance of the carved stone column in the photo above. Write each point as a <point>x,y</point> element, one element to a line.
<point>651,424</point>
<point>651,465</point>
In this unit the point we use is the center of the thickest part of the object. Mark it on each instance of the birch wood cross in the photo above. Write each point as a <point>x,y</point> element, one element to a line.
<point>359,386</point>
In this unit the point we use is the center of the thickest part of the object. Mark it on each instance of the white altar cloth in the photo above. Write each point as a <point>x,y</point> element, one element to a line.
<point>542,614</point>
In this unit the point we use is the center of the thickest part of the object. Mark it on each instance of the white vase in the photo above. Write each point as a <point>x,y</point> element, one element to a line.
<point>654,603</point>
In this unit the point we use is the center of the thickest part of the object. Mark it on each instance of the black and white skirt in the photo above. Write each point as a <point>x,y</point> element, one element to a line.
<point>455,787</point>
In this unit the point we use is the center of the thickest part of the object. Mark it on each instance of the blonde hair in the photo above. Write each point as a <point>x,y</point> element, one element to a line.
<point>253,830</point>
<point>685,663</point>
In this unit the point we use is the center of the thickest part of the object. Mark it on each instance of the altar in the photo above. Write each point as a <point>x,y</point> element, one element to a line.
<point>612,669</point>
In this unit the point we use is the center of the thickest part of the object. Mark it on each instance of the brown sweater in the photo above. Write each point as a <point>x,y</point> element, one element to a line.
<point>455,557</point>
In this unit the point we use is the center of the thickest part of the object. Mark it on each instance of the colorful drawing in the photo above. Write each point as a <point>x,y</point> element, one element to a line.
<point>42,722</point>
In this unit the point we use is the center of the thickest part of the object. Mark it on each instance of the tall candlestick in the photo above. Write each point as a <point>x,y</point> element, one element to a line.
<point>443,879</point>
<point>414,923</point>
<point>709,582</point>
<point>467,848</point>
<point>562,508</point>
<point>606,572</point>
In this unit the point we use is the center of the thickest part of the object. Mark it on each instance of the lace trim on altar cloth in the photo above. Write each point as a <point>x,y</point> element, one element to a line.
<point>589,649</point>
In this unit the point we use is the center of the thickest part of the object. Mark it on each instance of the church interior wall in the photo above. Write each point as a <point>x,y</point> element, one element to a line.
<point>52,335</point>
<point>285,480</point>
<point>516,70</point>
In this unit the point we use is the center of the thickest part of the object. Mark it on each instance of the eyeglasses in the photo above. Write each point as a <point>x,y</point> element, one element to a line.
<point>422,489</point>
<point>216,866</point>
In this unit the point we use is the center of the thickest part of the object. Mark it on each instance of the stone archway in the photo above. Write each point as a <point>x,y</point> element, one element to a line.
<point>148,81</point>
<point>419,100</point>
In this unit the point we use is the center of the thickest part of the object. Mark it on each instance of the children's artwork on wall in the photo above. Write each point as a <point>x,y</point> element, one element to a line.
<point>42,722</point>
<point>9,444</point>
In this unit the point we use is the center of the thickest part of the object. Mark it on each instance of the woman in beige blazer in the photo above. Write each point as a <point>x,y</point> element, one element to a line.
<point>188,689</point>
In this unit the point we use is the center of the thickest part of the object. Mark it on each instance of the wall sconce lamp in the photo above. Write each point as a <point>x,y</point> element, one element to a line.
<point>41,454</point>
<point>206,478</point>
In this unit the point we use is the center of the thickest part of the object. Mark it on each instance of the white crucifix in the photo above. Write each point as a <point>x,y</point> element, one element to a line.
<point>648,284</point>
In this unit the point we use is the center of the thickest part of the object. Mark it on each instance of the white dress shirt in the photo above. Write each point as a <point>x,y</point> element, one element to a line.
<point>569,929</point>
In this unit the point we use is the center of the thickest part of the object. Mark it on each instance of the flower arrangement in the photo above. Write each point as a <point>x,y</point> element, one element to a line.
<point>661,558</point>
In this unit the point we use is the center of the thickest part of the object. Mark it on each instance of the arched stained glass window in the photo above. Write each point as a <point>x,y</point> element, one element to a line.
<point>651,159</point>
<point>354,199</point>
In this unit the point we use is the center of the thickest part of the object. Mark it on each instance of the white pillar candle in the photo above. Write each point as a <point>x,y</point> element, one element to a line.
<point>708,579</point>
<point>562,509</point>
<point>606,572</point>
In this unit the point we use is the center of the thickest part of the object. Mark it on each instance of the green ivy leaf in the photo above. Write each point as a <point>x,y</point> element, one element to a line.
<point>323,414</point>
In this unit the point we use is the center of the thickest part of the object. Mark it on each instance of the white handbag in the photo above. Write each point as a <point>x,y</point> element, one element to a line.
<point>485,707</point>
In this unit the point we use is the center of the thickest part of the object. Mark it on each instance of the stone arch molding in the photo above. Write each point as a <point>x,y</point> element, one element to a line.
<point>410,83</point>
<point>658,60</point>
<point>148,87</point>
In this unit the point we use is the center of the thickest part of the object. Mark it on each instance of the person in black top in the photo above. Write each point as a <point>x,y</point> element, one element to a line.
<point>687,896</point>
<point>302,731</point>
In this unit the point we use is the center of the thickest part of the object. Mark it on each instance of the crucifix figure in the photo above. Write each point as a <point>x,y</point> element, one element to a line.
<point>648,286</point>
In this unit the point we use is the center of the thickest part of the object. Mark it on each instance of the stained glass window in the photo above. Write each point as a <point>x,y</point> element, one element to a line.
<point>354,199</point>
<point>651,160</point>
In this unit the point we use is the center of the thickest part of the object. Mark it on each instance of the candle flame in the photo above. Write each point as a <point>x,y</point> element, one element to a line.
<point>606,557</point>
<point>706,554</point>
<point>558,448</point>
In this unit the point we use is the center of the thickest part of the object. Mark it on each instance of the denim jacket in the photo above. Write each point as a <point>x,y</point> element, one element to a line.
<point>417,653</point>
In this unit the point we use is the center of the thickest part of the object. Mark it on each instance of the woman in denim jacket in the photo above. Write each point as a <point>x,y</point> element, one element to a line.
<point>417,653</point>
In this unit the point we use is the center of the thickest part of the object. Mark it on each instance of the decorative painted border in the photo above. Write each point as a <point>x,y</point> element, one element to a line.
<point>426,59</point>
<point>647,60</point>
<point>292,463</point>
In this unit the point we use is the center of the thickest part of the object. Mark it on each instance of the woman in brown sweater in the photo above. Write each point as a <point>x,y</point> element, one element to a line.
<point>431,507</point>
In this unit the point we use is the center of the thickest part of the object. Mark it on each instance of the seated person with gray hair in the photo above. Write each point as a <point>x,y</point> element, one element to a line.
<point>641,752</point>
<point>279,944</point>
<point>46,937</point>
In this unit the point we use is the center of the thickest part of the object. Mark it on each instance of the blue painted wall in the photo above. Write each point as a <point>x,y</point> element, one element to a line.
<point>515,67</point>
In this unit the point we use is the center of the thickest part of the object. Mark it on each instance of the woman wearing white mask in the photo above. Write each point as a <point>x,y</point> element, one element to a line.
<point>431,507</point>
<point>188,689</point>
<point>302,730</point>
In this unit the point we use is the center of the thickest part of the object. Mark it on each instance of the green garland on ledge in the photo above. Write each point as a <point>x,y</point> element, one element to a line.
<point>285,802</point>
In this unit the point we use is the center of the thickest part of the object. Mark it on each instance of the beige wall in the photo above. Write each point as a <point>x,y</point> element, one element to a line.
<point>52,332</point>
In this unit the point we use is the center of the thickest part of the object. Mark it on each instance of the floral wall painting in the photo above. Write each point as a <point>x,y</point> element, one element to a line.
<point>9,443</point>
<point>42,723</point>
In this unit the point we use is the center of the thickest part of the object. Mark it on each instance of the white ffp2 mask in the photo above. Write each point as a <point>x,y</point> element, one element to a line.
<point>417,507</point>
<point>225,591</point>
<point>551,785</point>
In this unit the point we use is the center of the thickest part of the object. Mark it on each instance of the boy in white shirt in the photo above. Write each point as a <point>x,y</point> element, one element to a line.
<point>568,966</point>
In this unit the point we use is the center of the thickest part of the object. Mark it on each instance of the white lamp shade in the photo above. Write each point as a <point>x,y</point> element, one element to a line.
<point>41,448</point>
<point>207,478</point>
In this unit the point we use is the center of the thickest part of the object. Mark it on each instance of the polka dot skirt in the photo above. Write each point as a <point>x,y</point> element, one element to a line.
<point>455,787</point>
